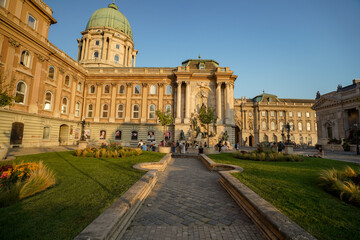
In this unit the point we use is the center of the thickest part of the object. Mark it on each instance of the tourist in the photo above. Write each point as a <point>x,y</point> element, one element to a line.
<point>144,147</point>
<point>186,147</point>
<point>219,146</point>
<point>280,147</point>
<point>320,153</point>
<point>178,147</point>
<point>173,147</point>
<point>140,143</point>
<point>237,146</point>
<point>205,145</point>
<point>201,149</point>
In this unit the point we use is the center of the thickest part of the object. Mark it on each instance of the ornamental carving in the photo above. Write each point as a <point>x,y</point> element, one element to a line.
<point>129,84</point>
<point>237,120</point>
<point>61,70</point>
<point>144,84</point>
<point>41,58</point>
<point>160,84</point>
<point>14,43</point>
<point>113,84</point>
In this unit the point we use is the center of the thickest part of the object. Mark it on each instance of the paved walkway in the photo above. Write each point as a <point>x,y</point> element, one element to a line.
<point>188,202</point>
<point>36,150</point>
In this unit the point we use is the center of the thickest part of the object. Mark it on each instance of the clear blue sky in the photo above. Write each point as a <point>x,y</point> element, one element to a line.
<point>291,48</point>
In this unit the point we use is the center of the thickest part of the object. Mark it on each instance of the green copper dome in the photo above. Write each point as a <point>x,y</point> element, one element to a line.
<point>110,17</point>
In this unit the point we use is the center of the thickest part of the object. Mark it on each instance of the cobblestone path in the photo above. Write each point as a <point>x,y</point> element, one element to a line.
<point>188,202</point>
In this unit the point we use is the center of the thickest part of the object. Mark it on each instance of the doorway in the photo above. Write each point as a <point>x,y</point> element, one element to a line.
<point>17,132</point>
<point>63,134</point>
<point>251,140</point>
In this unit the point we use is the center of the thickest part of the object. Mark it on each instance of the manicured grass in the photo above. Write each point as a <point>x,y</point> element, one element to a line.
<point>292,187</point>
<point>85,188</point>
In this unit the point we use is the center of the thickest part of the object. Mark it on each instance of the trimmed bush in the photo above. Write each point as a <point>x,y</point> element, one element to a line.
<point>267,156</point>
<point>108,152</point>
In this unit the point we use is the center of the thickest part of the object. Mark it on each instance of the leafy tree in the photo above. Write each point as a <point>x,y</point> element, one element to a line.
<point>165,118</point>
<point>5,98</point>
<point>207,115</point>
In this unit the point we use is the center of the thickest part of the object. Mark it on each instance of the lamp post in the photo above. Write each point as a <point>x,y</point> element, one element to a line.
<point>356,125</point>
<point>288,129</point>
<point>83,142</point>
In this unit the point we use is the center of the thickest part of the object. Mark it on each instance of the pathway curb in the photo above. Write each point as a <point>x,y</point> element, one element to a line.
<point>271,221</point>
<point>112,223</point>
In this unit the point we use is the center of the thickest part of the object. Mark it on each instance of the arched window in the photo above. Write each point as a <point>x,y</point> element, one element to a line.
<point>48,101</point>
<point>51,74</point>
<point>77,109</point>
<point>292,138</point>
<point>136,110</point>
<point>274,138</point>
<point>20,93</point>
<point>107,89</point>
<point>90,110</point>
<point>116,58</point>
<point>300,126</point>
<point>134,135</point>
<point>96,55</point>
<point>168,90</point>
<point>122,89</point>
<point>301,139</point>
<point>105,111</point>
<point>79,86</point>
<point>310,140</point>
<point>168,108</point>
<point>64,105</point>
<point>292,126</point>
<point>308,126</point>
<point>3,3</point>
<point>67,80</point>
<point>263,125</point>
<point>152,89</point>
<point>25,58</point>
<point>265,138</point>
<point>152,110</point>
<point>92,89</point>
<point>137,89</point>
<point>272,125</point>
<point>120,111</point>
<point>281,125</point>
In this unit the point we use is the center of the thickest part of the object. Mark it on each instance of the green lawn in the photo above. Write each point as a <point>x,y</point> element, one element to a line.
<point>292,188</point>
<point>85,188</point>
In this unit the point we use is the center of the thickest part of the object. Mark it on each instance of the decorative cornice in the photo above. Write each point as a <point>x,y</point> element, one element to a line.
<point>14,43</point>
<point>144,84</point>
<point>129,84</point>
<point>41,58</point>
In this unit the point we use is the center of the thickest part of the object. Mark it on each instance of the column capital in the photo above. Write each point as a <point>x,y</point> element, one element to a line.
<point>129,84</point>
<point>14,43</point>
<point>218,84</point>
<point>144,84</point>
<point>160,84</point>
<point>99,84</point>
<point>179,82</point>
<point>187,82</point>
<point>113,84</point>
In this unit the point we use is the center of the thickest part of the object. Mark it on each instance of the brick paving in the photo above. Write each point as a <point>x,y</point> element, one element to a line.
<point>188,202</point>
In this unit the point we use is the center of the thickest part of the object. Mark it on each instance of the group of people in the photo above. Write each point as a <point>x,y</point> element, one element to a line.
<point>147,147</point>
<point>222,147</point>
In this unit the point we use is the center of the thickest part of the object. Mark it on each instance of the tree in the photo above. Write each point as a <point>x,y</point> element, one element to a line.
<point>5,98</point>
<point>207,115</point>
<point>165,118</point>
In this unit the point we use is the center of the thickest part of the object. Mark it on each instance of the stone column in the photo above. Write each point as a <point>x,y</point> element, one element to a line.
<point>71,105</point>
<point>83,49</point>
<point>129,57</point>
<point>57,102</point>
<point>218,102</point>
<point>134,61</point>
<point>98,102</point>
<point>87,48</point>
<point>109,48</point>
<point>125,55</point>
<point>161,96</point>
<point>187,103</point>
<point>34,97</point>
<point>113,102</point>
<point>144,102</point>
<point>227,103</point>
<point>178,102</point>
<point>128,102</point>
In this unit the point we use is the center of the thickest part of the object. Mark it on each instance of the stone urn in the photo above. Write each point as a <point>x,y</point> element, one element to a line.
<point>164,149</point>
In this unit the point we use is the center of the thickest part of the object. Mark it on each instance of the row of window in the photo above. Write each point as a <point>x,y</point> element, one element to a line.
<point>281,126</point>
<point>281,114</point>
<point>137,89</point>
<point>120,109</point>
<point>308,140</point>
<point>98,42</point>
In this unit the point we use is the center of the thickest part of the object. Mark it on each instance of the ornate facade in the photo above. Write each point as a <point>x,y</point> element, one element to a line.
<point>53,92</point>
<point>262,118</point>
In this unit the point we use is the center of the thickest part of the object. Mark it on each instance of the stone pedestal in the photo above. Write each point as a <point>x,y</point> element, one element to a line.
<point>82,144</point>
<point>164,149</point>
<point>289,149</point>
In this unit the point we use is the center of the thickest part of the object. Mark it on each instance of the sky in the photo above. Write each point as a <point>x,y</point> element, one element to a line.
<point>290,48</point>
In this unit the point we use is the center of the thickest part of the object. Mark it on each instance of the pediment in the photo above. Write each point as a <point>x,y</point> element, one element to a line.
<point>326,101</point>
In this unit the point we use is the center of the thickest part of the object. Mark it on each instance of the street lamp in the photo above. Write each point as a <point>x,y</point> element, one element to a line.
<point>83,123</point>
<point>288,128</point>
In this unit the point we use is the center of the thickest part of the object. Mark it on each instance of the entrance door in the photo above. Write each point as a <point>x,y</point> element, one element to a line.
<point>17,131</point>
<point>63,134</point>
<point>250,140</point>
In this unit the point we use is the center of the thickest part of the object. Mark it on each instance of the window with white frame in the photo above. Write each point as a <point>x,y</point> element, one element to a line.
<point>116,58</point>
<point>117,46</point>
<point>136,110</point>
<point>168,90</point>
<point>152,110</point>
<point>272,114</point>
<point>272,125</point>
<point>20,93</point>
<point>281,125</point>
<point>168,108</point>
<point>67,81</point>
<point>96,55</point>
<point>263,113</point>
<point>137,89</point>
<point>153,89</point>
<point>107,89</point>
<point>64,105</point>
<point>31,22</point>
<point>300,126</point>
<point>105,111</point>
<point>281,114</point>
<point>264,125</point>
<point>3,3</point>
<point>299,114</point>
<point>122,89</point>
<point>120,111</point>
<point>97,43</point>
<point>46,133</point>
<point>307,114</point>
<point>25,58</point>
<point>308,126</point>
<point>48,101</point>
<point>51,73</point>
<point>92,89</point>
<point>77,109</point>
<point>290,114</point>
<point>90,110</point>
<point>79,86</point>
<point>292,126</point>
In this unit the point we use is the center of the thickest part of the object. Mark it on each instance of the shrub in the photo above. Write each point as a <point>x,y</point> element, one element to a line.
<point>267,156</point>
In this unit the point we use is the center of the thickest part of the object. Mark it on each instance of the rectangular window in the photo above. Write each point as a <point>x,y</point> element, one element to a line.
<point>299,114</point>
<point>307,114</point>
<point>263,113</point>
<point>272,113</point>
<point>46,133</point>
<point>290,114</point>
<point>281,113</point>
<point>117,46</point>
<point>31,22</point>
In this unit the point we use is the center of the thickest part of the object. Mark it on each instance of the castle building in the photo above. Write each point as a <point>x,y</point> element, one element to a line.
<point>54,93</point>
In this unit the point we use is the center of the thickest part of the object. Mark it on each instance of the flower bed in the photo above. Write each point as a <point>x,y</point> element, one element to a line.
<point>267,156</point>
<point>108,151</point>
<point>343,184</point>
<point>23,180</point>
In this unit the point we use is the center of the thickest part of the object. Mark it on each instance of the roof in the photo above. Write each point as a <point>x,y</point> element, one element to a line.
<point>195,63</point>
<point>110,17</point>
<point>266,97</point>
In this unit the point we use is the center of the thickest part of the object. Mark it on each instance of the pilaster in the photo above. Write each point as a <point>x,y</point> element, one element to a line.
<point>144,102</point>
<point>218,103</point>
<point>113,102</point>
<point>98,102</point>
<point>128,102</point>
<point>187,103</point>
<point>178,102</point>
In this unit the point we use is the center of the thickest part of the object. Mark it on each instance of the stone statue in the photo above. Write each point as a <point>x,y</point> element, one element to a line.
<point>318,95</point>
